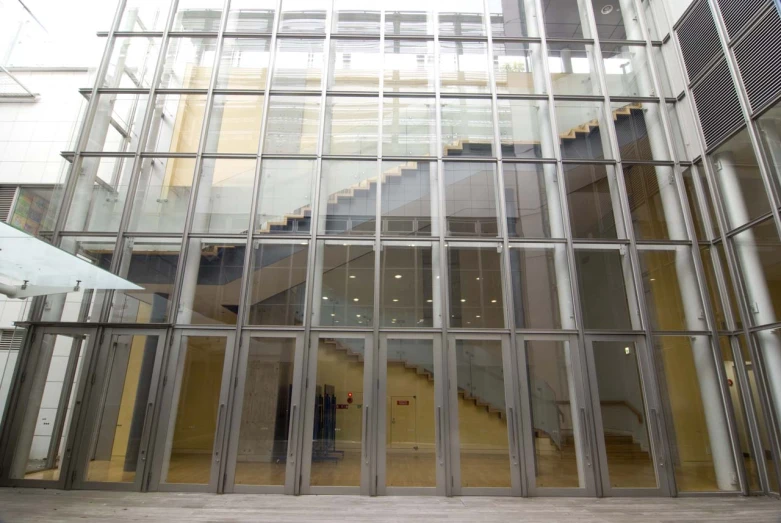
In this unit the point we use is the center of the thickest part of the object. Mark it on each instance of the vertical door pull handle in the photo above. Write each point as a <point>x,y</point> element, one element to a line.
<point>366,437</point>
<point>513,439</point>
<point>439,434</point>
<point>219,431</point>
<point>585,430</point>
<point>658,431</point>
<point>143,432</point>
<point>292,429</point>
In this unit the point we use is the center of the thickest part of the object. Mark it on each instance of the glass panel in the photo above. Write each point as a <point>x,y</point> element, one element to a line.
<point>694,204</point>
<point>660,61</point>
<point>198,15</point>
<point>285,201</point>
<point>757,250</point>
<point>617,22</point>
<point>511,19</point>
<point>299,64</point>
<point>338,423</point>
<point>408,193</point>
<point>211,282</point>
<point>117,123</point>
<point>672,295</point>
<point>409,127</point>
<point>737,315</point>
<point>345,292</point>
<point>122,408</point>
<point>243,64</point>
<point>409,66</point>
<point>9,356</point>
<point>593,202</point>
<point>627,72</point>
<point>463,67</point>
<point>194,418</point>
<point>524,128</point>
<point>355,65</point>
<point>518,68</point>
<point>151,264</point>
<point>132,62</point>
<point>467,127</point>
<point>351,126</point>
<point>624,424</point>
<point>265,412</point>
<point>709,270</point>
<point>582,131</point>
<point>224,196</point>
<point>408,287</point>
<point>654,203</point>
<point>277,284</point>
<point>699,435</point>
<point>234,124</point>
<point>554,406</point>
<point>736,171</point>
<point>348,197</point>
<point>699,171</point>
<point>251,16</point>
<point>48,409</point>
<point>188,63</point>
<point>572,68</point>
<point>602,280</point>
<point>99,196</point>
<point>464,18</point>
<point>682,147</point>
<point>144,15</point>
<point>565,19</point>
<point>769,125</point>
<point>302,16</point>
<point>482,417</point>
<point>639,131</point>
<point>292,124</point>
<point>531,194</point>
<point>162,195</point>
<point>36,207</point>
<point>176,123</point>
<point>410,438</point>
<point>409,17</point>
<point>354,16</point>
<point>541,287</point>
<point>475,287</point>
<point>470,199</point>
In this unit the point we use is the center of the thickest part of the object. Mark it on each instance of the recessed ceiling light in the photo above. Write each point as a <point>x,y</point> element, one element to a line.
<point>357,315</point>
<point>398,276</point>
<point>355,299</point>
<point>493,301</point>
<point>606,10</point>
<point>429,301</point>
<point>352,276</point>
<point>332,315</point>
<point>463,300</point>
<point>395,300</point>
<point>325,297</point>
<point>477,316</point>
<point>478,278</point>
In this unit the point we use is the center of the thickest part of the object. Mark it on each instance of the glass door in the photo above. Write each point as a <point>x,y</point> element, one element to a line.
<point>626,417</point>
<point>555,417</point>
<point>266,419</point>
<point>192,420</point>
<point>410,415</point>
<point>50,399</point>
<point>338,424</point>
<point>119,411</point>
<point>484,457</point>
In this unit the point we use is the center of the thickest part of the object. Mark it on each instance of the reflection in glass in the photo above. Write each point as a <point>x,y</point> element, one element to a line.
<point>163,194</point>
<point>516,68</point>
<point>351,126</point>
<point>298,65</point>
<point>193,422</point>
<point>188,63</point>
<point>639,131</point>
<point>511,19</point>
<point>132,62</point>
<point>475,287</point>
<point>572,68</point>
<point>265,412</point>
<point>467,127</point>
<point>605,297</point>
<point>566,19</point>
<point>234,124</point>
<point>352,16</point>
<point>251,16</point>
<point>285,201</point>
<point>464,18</point>
<point>654,202</point>
<point>555,420</point>
<point>277,283</point>
<point>409,203</point>
<point>531,194</point>
<point>624,424</point>
<point>707,256</point>
<point>522,128</point>
<point>409,66</point>
<point>541,287</point>
<point>592,198</point>
<point>224,196</point>
<point>627,72</point>
<point>470,199</point>
<point>117,122</point>
<point>757,250</point>
<point>463,67</point>
<point>407,286</point>
<point>694,204</point>
<point>302,16</point>
<point>338,431</point>
<point>482,416</point>
<point>582,131</point>
<point>176,123</point>
<point>409,17</point>
<point>99,196</point>
<point>198,15</point>
<point>409,127</point>
<point>621,23</point>
<point>355,65</point>
<point>144,15</point>
<point>292,124</point>
<point>348,197</point>
<point>244,63</point>
<point>344,292</point>
<point>770,135</point>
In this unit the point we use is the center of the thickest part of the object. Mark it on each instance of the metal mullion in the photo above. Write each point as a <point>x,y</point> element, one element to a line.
<point>195,34</point>
<point>579,97</point>
<point>748,225</point>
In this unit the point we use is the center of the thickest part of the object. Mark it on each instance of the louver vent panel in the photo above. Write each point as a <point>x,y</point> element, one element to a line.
<point>11,339</point>
<point>717,104</point>
<point>699,39</point>
<point>737,13</point>
<point>759,60</point>
<point>6,200</point>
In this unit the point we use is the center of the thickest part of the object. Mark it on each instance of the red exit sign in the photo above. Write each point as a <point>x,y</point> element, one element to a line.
<point>341,406</point>
<point>402,402</point>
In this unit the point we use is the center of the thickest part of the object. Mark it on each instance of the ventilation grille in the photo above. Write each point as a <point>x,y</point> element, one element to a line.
<point>6,200</point>
<point>717,104</point>
<point>11,339</point>
<point>699,39</point>
<point>737,13</point>
<point>758,60</point>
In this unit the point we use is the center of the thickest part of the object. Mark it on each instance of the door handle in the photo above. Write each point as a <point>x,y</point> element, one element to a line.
<point>292,429</point>
<point>366,433</point>
<point>513,438</point>
<point>439,434</point>
<point>587,437</point>
<point>658,431</point>
<point>219,432</point>
<point>143,431</point>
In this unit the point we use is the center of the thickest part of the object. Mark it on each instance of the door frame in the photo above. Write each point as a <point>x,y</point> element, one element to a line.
<point>171,389</point>
<point>28,367</point>
<point>511,410</point>
<point>94,401</point>
<point>439,417</point>
<point>294,425</point>
<point>653,415</point>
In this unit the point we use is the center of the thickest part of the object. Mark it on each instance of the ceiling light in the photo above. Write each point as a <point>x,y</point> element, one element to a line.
<point>627,350</point>
<point>493,301</point>
<point>463,300</point>
<point>477,316</point>
<point>357,315</point>
<point>398,276</point>
<point>355,299</point>
<point>332,315</point>
<point>352,276</point>
<point>395,300</point>
<point>325,297</point>
<point>478,278</point>
<point>606,10</point>
<point>429,301</point>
